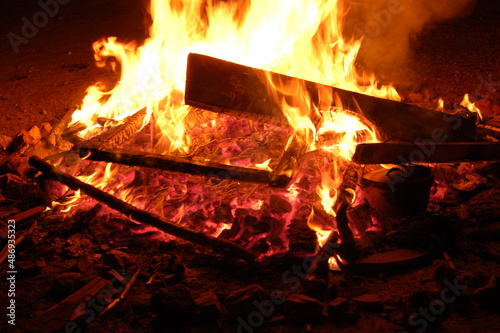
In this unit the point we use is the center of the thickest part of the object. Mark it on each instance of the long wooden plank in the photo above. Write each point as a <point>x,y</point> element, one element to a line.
<point>223,86</point>
<point>402,153</point>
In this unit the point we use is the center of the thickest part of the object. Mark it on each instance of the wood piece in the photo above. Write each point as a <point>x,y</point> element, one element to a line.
<point>21,142</point>
<point>28,213</point>
<point>62,314</point>
<point>117,135</point>
<point>316,282</point>
<point>300,308</point>
<point>59,128</point>
<point>178,164</point>
<point>123,294</point>
<point>224,247</point>
<point>288,163</point>
<point>402,153</point>
<point>347,249</point>
<point>391,261</point>
<point>6,249</point>
<point>223,86</point>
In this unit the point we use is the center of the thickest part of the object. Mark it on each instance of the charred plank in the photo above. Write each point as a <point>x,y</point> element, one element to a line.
<point>223,86</point>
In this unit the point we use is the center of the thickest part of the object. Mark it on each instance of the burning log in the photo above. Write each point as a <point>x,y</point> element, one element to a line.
<point>117,135</point>
<point>402,153</point>
<point>218,245</point>
<point>178,164</point>
<point>223,86</point>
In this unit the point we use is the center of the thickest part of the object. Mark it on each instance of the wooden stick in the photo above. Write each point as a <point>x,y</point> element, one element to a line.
<point>402,153</point>
<point>122,295</point>
<point>28,213</point>
<point>178,164</point>
<point>219,245</point>
<point>223,86</point>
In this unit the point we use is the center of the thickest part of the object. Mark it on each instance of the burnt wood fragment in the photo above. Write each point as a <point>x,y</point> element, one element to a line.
<point>289,161</point>
<point>300,308</point>
<point>369,303</point>
<point>227,248</point>
<point>63,315</point>
<point>59,128</point>
<point>224,86</point>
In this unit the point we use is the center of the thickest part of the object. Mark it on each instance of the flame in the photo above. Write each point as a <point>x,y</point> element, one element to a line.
<point>466,103</point>
<point>299,38</point>
<point>321,233</point>
<point>440,105</point>
<point>264,165</point>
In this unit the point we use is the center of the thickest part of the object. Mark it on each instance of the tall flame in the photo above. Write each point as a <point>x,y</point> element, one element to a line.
<point>300,38</point>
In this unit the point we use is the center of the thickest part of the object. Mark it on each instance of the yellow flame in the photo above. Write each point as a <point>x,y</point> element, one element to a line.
<point>466,103</point>
<point>300,38</point>
<point>440,105</point>
<point>264,165</point>
<point>321,233</point>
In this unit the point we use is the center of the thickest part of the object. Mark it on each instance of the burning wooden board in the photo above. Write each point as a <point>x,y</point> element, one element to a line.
<point>224,86</point>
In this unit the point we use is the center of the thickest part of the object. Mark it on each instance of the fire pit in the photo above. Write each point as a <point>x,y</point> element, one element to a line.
<point>215,156</point>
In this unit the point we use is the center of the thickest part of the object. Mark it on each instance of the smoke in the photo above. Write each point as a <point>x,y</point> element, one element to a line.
<point>389,28</point>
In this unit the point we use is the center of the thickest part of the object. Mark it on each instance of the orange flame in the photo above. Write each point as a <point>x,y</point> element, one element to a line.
<point>300,38</point>
<point>466,103</point>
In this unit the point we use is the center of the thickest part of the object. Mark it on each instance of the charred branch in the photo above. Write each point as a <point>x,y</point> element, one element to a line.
<point>221,246</point>
<point>177,164</point>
